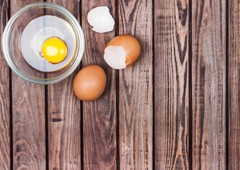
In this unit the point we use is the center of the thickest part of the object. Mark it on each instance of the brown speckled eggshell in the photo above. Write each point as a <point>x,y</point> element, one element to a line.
<point>90,82</point>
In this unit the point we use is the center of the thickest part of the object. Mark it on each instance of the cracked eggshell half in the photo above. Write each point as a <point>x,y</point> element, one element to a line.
<point>100,19</point>
<point>122,51</point>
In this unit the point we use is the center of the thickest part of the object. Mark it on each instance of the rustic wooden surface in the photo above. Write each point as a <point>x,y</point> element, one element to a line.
<point>171,88</point>
<point>208,84</point>
<point>28,117</point>
<point>99,117</point>
<point>5,94</point>
<point>64,116</point>
<point>177,107</point>
<point>135,89</point>
<point>233,86</point>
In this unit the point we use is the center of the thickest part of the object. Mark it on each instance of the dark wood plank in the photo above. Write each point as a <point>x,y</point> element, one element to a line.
<point>99,130</point>
<point>136,88</point>
<point>233,86</point>
<point>64,128</point>
<point>209,84</point>
<point>99,116</point>
<point>28,118</point>
<point>171,67</point>
<point>4,97</point>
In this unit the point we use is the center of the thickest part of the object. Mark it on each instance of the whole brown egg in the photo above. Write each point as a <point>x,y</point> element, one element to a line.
<point>90,83</point>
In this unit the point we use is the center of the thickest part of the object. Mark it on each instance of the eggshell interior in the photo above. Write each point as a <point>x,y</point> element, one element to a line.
<point>101,20</point>
<point>115,56</point>
<point>122,51</point>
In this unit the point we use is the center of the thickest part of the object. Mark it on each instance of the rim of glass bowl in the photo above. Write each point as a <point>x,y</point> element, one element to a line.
<point>79,40</point>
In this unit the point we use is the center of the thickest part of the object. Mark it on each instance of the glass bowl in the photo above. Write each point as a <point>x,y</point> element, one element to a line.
<point>11,43</point>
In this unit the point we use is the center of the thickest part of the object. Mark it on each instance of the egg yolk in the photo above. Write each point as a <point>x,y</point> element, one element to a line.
<point>54,50</point>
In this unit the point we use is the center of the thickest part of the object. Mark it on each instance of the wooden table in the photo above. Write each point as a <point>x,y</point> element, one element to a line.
<point>176,108</point>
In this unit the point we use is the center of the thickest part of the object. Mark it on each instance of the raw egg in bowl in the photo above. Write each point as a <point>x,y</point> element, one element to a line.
<point>43,43</point>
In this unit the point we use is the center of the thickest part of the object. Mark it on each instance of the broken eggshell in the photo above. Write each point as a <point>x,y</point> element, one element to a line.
<point>122,51</point>
<point>100,19</point>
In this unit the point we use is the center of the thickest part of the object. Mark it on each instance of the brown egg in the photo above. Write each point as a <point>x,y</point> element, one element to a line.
<point>122,51</point>
<point>90,82</point>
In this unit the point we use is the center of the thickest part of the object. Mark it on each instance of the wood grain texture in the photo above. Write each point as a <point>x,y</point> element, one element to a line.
<point>64,128</point>
<point>171,67</point>
<point>99,130</point>
<point>4,97</point>
<point>28,117</point>
<point>233,86</point>
<point>209,84</point>
<point>136,88</point>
